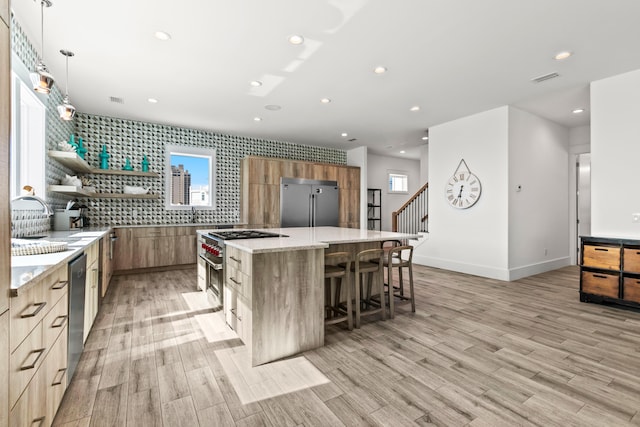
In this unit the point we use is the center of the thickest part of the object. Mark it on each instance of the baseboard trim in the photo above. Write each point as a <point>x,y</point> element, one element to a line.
<point>541,267</point>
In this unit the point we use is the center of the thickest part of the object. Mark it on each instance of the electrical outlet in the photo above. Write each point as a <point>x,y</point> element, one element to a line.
<point>635,217</point>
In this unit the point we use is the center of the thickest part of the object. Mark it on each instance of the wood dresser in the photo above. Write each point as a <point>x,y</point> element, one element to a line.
<point>610,270</point>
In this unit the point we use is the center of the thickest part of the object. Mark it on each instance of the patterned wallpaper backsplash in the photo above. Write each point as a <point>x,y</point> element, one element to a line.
<point>133,139</point>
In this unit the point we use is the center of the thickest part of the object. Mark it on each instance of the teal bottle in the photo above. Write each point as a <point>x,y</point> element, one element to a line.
<point>145,164</point>
<point>81,150</point>
<point>127,165</point>
<point>104,158</point>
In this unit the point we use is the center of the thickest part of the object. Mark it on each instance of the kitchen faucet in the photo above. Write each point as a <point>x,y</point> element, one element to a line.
<point>47,209</point>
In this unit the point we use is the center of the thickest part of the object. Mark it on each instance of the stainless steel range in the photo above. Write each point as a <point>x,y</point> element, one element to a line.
<point>211,264</point>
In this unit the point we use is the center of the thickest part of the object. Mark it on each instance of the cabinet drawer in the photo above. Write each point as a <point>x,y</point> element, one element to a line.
<point>239,281</point>
<point>55,373</point>
<point>631,257</point>
<point>240,260</point>
<point>607,257</point>
<point>631,289</point>
<point>31,409</point>
<point>24,362</point>
<point>56,285</point>
<point>55,322</point>
<point>27,310</point>
<point>92,253</point>
<point>600,284</point>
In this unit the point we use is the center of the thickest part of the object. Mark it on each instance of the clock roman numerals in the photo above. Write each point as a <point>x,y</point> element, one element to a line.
<point>463,188</point>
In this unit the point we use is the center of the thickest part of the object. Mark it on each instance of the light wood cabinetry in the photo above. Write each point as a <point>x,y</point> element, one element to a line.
<point>274,301</point>
<point>91,288</point>
<point>5,230</point>
<point>151,247</point>
<point>107,261</point>
<point>260,189</point>
<point>4,368</point>
<point>610,270</point>
<point>38,343</point>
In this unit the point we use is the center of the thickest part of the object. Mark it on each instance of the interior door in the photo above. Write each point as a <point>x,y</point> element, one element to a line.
<point>583,197</point>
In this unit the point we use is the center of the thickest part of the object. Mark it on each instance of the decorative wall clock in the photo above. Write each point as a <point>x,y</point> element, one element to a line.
<point>463,188</point>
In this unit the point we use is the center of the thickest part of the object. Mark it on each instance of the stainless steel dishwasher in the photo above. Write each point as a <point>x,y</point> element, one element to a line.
<point>77,279</point>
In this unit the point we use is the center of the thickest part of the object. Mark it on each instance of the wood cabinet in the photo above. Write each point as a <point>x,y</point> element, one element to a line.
<point>5,219</point>
<point>610,270</point>
<point>151,247</point>
<point>274,301</point>
<point>4,368</point>
<point>38,342</point>
<point>91,288</point>
<point>108,244</point>
<point>260,189</point>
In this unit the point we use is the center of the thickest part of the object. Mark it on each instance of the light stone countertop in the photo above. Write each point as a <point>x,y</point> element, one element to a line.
<point>301,238</point>
<point>26,268</point>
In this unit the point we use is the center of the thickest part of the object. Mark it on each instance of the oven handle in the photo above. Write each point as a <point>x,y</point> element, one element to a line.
<point>212,264</point>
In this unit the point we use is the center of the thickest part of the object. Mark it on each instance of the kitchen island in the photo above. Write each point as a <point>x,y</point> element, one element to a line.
<point>274,287</point>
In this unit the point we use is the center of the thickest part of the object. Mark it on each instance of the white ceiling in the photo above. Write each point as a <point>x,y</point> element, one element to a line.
<point>451,57</point>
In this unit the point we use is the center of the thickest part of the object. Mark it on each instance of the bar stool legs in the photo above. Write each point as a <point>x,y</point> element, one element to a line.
<point>366,270</point>
<point>337,268</point>
<point>394,260</point>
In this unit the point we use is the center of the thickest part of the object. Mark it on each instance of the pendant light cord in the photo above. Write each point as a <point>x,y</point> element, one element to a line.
<point>42,29</point>
<point>66,94</point>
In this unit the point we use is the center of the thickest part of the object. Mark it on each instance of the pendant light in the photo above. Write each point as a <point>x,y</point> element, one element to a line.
<point>66,110</point>
<point>41,79</point>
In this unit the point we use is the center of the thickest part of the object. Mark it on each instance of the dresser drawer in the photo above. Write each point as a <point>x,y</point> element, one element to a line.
<point>631,289</point>
<point>607,257</point>
<point>24,362</point>
<point>600,284</point>
<point>631,260</point>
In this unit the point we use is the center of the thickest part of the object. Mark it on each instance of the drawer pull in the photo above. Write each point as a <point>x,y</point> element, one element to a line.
<point>239,261</point>
<point>60,285</point>
<point>601,249</point>
<point>234,281</point>
<point>40,306</point>
<point>39,421</point>
<point>40,352</point>
<point>233,311</point>
<point>61,324</point>
<point>599,276</point>
<point>60,372</point>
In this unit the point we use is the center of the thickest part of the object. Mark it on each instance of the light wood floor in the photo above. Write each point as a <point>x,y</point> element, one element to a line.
<point>477,352</point>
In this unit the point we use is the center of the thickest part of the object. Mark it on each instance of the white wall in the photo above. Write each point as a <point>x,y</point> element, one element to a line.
<point>424,163</point>
<point>473,240</point>
<point>579,143</point>
<point>378,169</point>
<point>615,154</point>
<point>539,212</point>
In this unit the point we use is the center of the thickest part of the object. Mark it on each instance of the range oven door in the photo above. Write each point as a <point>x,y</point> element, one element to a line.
<point>214,280</point>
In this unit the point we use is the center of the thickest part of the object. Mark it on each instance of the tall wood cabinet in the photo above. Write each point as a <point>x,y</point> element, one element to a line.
<point>5,218</point>
<point>260,189</point>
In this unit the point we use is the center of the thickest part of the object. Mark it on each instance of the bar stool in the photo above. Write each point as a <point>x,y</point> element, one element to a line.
<point>336,271</point>
<point>395,260</point>
<point>368,267</point>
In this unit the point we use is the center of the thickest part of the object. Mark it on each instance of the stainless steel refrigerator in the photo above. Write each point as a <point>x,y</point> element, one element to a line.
<point>308,203</point>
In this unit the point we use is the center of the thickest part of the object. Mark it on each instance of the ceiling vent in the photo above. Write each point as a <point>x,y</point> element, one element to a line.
<point>352,139</point>
<point>545,77</point>
<point>116,100</point>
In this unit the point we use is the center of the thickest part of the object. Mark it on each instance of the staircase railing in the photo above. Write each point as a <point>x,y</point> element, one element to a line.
<point>413,216</point>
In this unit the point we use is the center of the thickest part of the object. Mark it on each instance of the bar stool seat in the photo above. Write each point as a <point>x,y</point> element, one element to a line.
<point>368,269</point>
<point>337,268</point>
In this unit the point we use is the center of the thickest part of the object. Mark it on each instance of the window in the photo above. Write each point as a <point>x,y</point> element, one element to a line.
<point>190,173</point>
<point>398,183</point>
<point>27,140</point>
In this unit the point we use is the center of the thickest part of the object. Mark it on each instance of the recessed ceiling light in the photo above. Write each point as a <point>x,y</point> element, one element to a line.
<point>562,55</point>
<point>152,100</point>
<point>344,134</point>
<point>402,151</point>
<point>425,138</point>
<point>296,39</point>
<point>415,108</point>
<point>162,35</point>
<point>257,119</point>
<point>325,100</point>
<point>272,107</point>
<point>256,83</point>
<point>578,111</point>
<point>380,70</point>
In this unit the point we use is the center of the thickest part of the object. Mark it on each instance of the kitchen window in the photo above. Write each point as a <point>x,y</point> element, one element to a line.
<point>190,177</point>
<point>398,182</point>
<point>28,114</point>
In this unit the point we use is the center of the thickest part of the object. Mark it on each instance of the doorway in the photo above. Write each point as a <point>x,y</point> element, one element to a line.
<point>583,197</point>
